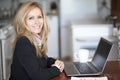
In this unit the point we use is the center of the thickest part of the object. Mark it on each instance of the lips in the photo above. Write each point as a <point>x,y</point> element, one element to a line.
<point>37,27</point>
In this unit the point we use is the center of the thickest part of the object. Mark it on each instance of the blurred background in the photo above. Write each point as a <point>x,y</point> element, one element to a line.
<point>74,24</point>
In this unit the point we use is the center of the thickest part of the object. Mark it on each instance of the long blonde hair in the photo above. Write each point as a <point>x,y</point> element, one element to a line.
<point>20,26</point>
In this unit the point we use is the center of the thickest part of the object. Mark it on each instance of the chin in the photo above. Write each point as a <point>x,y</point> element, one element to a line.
<point>37,31</point>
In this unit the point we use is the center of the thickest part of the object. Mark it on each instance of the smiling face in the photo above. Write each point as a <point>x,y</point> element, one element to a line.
<point>34,21</point>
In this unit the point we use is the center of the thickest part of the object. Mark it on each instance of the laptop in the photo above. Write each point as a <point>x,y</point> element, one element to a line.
<point>96,66</point>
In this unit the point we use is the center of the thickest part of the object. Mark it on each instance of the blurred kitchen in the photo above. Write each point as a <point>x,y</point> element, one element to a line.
<point>74,24</point>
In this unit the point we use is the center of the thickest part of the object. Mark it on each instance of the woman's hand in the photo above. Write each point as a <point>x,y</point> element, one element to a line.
<point>59,64</point>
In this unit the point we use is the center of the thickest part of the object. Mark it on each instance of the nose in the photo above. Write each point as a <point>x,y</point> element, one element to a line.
<point>36,21</point>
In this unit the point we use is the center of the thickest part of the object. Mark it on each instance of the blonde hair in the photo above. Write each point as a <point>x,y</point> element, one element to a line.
<point>21,27</point>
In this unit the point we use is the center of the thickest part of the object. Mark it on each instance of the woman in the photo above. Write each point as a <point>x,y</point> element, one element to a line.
<point>30,61</point>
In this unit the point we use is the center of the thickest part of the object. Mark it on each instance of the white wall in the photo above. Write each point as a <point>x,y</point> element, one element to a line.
<point>77,9</point>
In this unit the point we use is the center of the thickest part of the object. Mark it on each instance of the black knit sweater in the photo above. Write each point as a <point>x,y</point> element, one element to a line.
<point>27,66</point>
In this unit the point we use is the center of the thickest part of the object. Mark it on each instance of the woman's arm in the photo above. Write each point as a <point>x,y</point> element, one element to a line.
<point>50,61</point>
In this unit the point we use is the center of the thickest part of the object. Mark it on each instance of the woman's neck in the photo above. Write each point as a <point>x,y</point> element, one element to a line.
<point>38,36</point>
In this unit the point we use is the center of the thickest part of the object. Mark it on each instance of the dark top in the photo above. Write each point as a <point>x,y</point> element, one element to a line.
<point>27,66</point>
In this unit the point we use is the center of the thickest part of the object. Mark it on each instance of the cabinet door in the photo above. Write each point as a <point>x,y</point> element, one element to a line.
<point>0,62</point>
<point>115,9</point>
<point>53,37</point>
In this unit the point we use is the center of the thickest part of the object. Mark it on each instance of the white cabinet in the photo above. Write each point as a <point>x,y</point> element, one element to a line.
<point>87,36</point>
<point>119,42</point>
<point>53,37</point>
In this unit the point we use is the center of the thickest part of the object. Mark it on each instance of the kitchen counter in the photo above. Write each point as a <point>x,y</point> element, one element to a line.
<point>89,21</point>
<point>92,31</point>
<point>87,35</point>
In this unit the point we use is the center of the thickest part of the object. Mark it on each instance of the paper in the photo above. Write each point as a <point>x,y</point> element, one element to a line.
<point>89,78</point>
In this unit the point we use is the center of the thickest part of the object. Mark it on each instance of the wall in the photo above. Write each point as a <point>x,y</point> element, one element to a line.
<point>77,9</point>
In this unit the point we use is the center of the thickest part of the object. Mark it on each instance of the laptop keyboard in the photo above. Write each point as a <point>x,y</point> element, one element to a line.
<point>71,69</point>
<point>83,68</point>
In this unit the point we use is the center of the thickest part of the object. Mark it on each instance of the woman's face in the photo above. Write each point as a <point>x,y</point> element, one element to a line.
<point>34,21</point>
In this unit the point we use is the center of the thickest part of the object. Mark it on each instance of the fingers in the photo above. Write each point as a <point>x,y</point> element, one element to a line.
<point>60,64</point>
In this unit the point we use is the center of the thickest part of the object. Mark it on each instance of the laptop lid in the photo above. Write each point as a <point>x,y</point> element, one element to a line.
<point>101,54</point>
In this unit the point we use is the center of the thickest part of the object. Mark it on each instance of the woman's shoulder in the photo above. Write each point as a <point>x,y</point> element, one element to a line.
<point>23,39</point>
<point>23,43</point>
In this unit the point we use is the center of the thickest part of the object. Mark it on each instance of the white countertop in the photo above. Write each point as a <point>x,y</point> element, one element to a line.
<point>89,21</point>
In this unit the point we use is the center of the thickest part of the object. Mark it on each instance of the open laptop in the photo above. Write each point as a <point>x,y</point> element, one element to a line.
<point>96,66</point>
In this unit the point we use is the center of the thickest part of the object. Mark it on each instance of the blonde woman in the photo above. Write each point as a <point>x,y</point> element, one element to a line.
<point>30,61</point>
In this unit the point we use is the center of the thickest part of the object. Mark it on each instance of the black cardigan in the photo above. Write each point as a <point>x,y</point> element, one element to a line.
<point>27,66</point>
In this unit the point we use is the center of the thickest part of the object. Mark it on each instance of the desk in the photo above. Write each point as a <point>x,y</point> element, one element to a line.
<point>112,71</point>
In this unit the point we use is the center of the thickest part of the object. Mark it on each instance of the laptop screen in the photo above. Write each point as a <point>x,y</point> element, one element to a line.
<point>101,54</point>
